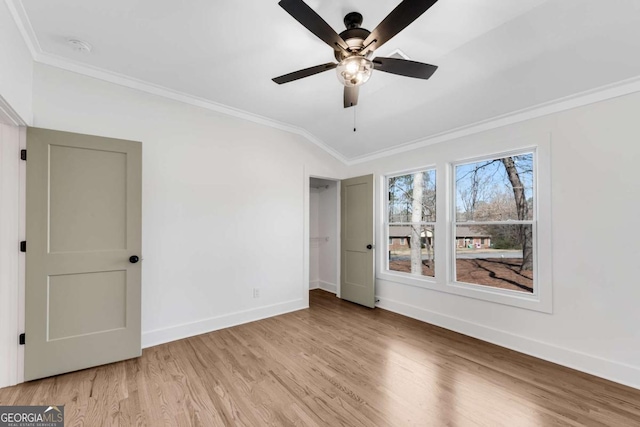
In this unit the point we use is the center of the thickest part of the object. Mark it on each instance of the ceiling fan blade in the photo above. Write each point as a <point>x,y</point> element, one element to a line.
<point>399,18</point>
<point>304,73</point>
<point>313,22</point>
<point>404,67</point>
<point>351,96</point>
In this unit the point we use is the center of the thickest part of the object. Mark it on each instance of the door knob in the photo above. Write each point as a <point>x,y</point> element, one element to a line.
<point>133,259</point>
<point>369,247</point>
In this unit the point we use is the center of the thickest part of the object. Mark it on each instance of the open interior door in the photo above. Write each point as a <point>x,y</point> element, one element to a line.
<point>357,276</point>
<point>83,207</point>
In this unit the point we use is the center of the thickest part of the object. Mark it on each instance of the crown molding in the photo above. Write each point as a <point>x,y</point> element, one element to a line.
<point>23,23</point>
<point>591,96</point>
<point>19,15</point>
<point>133,83</point>
<point>602,93</point>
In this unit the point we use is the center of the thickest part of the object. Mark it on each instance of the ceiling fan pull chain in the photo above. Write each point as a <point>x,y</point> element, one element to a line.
<point>354,118</point>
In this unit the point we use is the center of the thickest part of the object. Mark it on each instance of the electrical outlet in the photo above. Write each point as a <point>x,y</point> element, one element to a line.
<point>256,293</point>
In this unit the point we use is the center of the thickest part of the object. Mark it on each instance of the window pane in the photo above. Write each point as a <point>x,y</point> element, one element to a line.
<point>504,260</point>
<point>412,197</point>
<point>495,189</point>
<point>406,255</point>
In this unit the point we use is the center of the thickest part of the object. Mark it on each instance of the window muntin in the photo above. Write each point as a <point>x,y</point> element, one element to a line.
<point>494,200</point>
<point>445,246</point>
<point>411,216</point>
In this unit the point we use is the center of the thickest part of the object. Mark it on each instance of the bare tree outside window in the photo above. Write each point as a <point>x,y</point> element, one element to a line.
<point>416,218</point>
<point>494,219</point>
<point>411,216</point>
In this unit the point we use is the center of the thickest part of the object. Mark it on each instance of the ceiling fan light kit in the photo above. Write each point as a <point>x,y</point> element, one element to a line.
<point>354,71</point>
<point>354,46</point>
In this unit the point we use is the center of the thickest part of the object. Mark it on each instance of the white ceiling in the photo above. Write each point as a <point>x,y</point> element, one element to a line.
<point>495,57</point>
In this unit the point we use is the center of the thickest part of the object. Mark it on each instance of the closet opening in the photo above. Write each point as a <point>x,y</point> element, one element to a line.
<point>324,235</point>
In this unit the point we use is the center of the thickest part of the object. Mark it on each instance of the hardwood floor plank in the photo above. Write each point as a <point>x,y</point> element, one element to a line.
<point>335,364</point>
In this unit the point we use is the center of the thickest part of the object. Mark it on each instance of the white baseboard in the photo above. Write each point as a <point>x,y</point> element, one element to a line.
<point>329,287</point>
<point>173,333</point>
<point>607,369</point>
<point>315,284</point>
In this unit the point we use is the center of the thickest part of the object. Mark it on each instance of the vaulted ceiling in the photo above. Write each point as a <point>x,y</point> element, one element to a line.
<point>494,57</point>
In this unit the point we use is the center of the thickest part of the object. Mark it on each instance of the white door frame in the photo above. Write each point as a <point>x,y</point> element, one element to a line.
<point>306,239</point>
<point>12,231</point>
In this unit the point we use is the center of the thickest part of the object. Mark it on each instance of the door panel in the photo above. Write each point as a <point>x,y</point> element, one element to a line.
<point>79,221</point>
<point>107,287</point>
<point>356,196</point>
<point>83,224</point>
<point>357,261</point>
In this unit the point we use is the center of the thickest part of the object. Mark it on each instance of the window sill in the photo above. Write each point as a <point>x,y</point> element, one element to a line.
<point>426,282</point>
<point>541,303</point>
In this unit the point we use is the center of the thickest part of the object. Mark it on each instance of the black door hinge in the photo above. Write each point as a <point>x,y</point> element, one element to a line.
<point>23,155</point>
<point>21,339</point>
<point>23,246</point>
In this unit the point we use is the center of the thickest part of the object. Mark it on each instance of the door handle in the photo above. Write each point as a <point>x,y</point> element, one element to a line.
<point>134,259</point>
<point>369,247</point>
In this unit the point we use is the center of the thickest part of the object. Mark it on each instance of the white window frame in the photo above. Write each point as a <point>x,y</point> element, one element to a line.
<point>533,222</point>
<point>386,224</point>
<point>445,242</point>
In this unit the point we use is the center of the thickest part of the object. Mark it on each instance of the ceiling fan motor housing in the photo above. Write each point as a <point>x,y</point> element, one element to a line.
<point>354,38</point>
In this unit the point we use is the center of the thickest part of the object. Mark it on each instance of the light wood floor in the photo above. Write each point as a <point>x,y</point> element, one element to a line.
<point>334,364</point>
